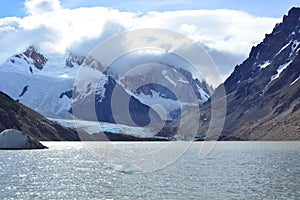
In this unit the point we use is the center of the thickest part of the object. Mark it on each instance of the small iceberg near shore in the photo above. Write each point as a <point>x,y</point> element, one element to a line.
<point>14,139</point>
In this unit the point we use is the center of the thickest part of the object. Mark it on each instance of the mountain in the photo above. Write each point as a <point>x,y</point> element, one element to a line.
<point>169,87</point>
<point>263,93</point>
<point>146,96</point>
<point>49,85</point>
<point>102,105</point>
<point>14,115</point>
<point>39,82</point>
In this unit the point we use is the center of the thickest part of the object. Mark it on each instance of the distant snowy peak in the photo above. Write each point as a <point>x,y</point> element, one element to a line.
<point>52,83</point>
<point>73,60</point>
<point>170,88</point>
<point>170,83</point>
<point>32,57</point>
<point>39,81</point>
<point>35,59</point>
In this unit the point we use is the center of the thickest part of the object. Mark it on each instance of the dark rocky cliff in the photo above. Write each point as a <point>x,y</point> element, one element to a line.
<point>14,115</point>
<point>263,93</point>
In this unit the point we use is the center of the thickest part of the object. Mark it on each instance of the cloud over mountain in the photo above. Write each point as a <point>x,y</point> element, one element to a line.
<point>55,29</point>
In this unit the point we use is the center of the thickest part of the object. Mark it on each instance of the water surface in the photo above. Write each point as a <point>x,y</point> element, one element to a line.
<point>232,170</point>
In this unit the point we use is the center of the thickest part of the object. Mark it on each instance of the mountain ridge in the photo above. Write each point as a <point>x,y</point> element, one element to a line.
<point>263,93</point>
<point>47,83</point>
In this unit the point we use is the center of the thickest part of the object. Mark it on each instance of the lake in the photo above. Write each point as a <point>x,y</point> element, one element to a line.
<point>74,170</point>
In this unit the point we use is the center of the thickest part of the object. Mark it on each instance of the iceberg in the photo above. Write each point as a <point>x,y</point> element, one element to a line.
<point>126,167</point>
<point>14,139</point>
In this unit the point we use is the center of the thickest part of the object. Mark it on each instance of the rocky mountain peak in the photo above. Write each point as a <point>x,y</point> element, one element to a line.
<point>33,56</point>
<point>264,90</point>
<point>277,48</point>
<point>293,16</point>
<point>73,60</point>
<point>263,95</point>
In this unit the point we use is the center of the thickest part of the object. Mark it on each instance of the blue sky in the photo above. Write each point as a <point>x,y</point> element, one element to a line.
<point>266,8</point>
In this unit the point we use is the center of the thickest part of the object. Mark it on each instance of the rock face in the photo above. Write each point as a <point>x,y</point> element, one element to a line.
<point>14,115</point>
<point>73,60</point>
<point>14,139</point>
<point>263,93</point>
<point>138,111</point>
<point>34,56</point>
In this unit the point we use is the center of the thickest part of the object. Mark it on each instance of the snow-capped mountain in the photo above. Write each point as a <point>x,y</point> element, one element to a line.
<point>136,98</point>
<point>263,93</point>
<point>171,87</point>
<point>49,84</point>
<point>39,82</point>
<point>73,60</point>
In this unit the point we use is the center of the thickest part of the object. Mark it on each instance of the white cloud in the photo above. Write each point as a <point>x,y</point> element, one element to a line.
<point>40,7</point>
<point>55,29</point>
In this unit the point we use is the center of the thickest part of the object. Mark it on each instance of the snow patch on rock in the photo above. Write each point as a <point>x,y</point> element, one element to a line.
<point>170,80</point>
<point>280,69</point>
<point>265,64</point>
<point>283,48</point>
<point>292,83</point>
<point>294,47</point>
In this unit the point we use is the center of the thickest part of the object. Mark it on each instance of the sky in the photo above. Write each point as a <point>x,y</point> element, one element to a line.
<point>267,8</point>
<point>226,29</point>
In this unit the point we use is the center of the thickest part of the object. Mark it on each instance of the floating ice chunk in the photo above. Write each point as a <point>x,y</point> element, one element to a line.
<point>14,139</point>
<point>126,167</point>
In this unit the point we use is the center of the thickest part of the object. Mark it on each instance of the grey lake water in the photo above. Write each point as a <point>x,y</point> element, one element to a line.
<point>231,170</point>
